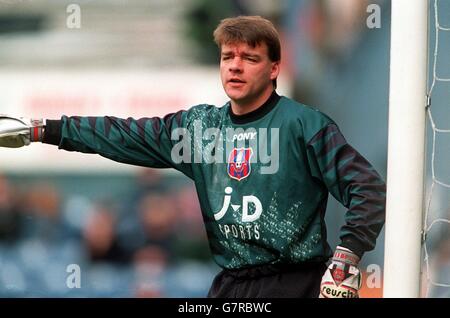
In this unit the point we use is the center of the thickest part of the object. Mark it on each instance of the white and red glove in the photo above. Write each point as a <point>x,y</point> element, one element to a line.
<point>17,132</point>
<point>342,279</point>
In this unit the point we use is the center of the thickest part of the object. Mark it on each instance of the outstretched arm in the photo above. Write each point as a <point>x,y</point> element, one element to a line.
<point>144,142</point>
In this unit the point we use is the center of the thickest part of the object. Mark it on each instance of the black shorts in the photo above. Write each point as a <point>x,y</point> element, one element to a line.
<point>269,281</point>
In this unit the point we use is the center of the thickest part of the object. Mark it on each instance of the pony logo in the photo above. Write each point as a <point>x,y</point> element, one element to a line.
<point>239,163</point>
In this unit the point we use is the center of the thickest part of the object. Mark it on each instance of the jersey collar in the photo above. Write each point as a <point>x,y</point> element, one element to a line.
<point>257,113</point>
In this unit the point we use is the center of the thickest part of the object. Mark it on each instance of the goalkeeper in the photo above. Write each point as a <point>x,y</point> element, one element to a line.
<point>265,224</point>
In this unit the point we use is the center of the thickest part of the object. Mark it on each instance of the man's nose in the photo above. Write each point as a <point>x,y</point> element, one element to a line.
<point>236,65</point>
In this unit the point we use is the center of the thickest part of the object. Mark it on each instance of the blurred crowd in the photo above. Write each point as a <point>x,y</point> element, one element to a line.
<point>149,242</point>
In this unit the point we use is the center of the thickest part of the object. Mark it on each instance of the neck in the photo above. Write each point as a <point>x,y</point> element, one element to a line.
<point>242,107</point>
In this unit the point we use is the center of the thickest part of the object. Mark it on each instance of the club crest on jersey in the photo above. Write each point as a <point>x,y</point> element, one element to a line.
<point>239,163</point>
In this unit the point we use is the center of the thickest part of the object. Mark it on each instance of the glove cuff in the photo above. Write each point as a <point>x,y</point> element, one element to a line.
<point>344,255</point>
<point>36,130</point>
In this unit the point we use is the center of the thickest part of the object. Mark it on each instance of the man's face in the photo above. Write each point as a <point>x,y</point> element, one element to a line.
<point>247,72</point>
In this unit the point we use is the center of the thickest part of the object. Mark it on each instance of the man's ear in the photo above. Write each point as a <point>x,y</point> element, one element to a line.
<point>275,70</point>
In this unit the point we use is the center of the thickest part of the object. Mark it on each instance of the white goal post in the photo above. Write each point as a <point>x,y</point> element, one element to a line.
<point>406,148</point>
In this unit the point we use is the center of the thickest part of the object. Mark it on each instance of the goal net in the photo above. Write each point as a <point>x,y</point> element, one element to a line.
<point>436,225</point>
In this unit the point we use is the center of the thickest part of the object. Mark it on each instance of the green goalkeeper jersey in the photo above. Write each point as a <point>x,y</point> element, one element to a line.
<point>262,178</point>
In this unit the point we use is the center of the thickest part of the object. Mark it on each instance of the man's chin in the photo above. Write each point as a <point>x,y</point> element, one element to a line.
<point>235,96</point>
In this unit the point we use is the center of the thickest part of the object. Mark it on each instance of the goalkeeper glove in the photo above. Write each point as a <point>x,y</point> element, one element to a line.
<point>18,132</point>
<point>342,278</point>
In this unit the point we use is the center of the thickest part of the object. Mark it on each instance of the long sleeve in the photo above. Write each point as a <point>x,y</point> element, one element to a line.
<point>351,179</point>
<point>143,142</point>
